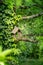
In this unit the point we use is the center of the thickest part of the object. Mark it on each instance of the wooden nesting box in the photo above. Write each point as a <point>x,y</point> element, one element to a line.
<point>15,30</point>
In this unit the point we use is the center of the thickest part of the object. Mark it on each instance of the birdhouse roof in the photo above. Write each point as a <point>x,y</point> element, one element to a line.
<point>15,30</point>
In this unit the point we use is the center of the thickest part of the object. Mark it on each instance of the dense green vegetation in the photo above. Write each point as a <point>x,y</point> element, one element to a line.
<point>24,46</point>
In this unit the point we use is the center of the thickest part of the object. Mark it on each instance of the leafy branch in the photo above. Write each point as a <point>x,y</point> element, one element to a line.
<point>3,54</point>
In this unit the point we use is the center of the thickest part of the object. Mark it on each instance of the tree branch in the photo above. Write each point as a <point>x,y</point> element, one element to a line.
<point>32,34</point>
<point>24,39</point>
<point>32,16</point>
<point>26,7</point>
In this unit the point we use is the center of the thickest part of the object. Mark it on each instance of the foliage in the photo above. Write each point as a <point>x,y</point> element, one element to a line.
<point>11,51</point>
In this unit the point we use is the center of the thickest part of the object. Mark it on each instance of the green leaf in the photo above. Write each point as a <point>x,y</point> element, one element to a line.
<point>18,3</point>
